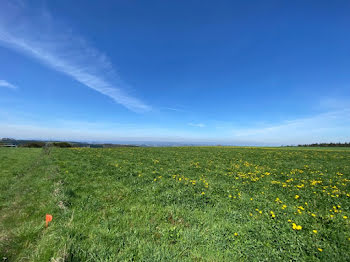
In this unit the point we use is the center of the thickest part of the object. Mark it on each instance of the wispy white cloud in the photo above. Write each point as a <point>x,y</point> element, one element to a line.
<point>4,83</point>
<point>333,126</point>
<point>174,109</point>
<point>201,125</point>
<point>36,34</point>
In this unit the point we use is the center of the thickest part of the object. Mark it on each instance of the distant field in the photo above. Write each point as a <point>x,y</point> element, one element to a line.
<point>175,204</point>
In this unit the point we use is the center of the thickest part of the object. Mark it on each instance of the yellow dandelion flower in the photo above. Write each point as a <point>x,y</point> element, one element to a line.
<point>296,196</point>
<point>345,217</point>
<point>320,249</point>
<point>315,231</point>
<point>296,227</point>
<point>236,234</point>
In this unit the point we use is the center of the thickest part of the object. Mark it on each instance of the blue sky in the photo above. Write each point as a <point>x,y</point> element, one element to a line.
<point>236,72</point>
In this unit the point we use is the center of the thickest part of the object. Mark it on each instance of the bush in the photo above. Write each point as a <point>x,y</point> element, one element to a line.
<point>34,144</point>
<point>62,144</point>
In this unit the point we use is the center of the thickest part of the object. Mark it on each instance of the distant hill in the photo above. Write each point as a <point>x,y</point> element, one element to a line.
<point>62,144</point>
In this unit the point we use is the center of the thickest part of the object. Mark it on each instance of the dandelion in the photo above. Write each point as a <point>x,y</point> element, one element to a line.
<point>315,231</point>
<point>320,249</point>
<point>296,196</point>
<point>203,193</point>
<point>345,217</point>
<point>296,227</point>
<point>272,214</point>
<point>236,234</point>
<point>313,215</point>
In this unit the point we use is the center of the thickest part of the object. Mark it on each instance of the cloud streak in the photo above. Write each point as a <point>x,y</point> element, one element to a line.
<point>173,109</point>
<point>56,46</point>
<point>333,126</point>
<point>201,125</point>
<point>4,83</point>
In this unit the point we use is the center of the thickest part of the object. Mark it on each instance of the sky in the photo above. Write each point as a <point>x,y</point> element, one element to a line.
<point>226,72</point>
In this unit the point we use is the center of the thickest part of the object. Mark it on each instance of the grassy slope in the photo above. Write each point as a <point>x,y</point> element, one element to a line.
<point>148,204</point>
<point>26,187</point>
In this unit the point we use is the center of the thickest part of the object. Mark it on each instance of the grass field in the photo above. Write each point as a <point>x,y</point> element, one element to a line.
<point>175,204</point>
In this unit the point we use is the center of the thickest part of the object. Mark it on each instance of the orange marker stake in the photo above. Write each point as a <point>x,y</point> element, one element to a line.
<point>48,219</point>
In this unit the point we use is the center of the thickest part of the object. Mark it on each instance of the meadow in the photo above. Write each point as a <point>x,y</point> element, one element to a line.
<point>175,204</point>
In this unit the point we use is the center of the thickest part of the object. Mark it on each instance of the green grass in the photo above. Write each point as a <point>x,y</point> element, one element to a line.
<point>175,204</point>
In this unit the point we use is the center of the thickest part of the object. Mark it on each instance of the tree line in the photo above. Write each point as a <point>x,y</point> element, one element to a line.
<point>326,145</point>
